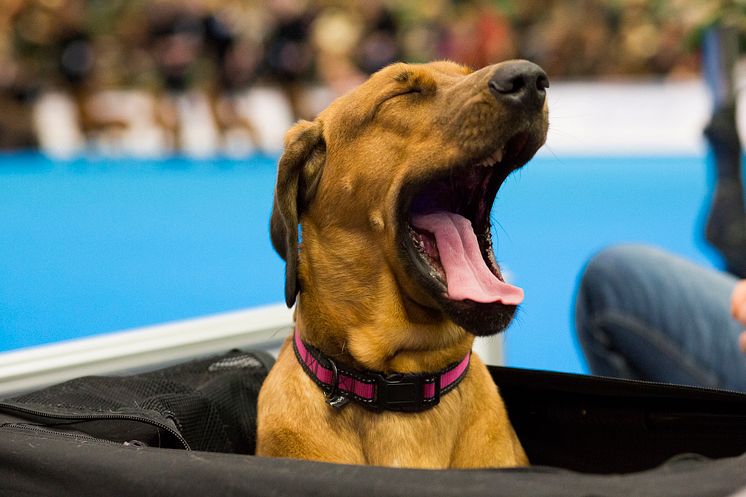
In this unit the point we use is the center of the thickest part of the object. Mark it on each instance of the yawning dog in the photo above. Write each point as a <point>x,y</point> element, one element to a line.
<point>393,268</point>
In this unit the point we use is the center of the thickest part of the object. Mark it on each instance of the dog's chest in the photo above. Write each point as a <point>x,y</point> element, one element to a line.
<point>423,439</point>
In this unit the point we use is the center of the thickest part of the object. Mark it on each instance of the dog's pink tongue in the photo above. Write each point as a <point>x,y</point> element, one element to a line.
<point>467,275</point>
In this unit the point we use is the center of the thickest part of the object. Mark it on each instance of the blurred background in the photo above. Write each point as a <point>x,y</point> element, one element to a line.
<point>140,140</point>
<point>161,76</point>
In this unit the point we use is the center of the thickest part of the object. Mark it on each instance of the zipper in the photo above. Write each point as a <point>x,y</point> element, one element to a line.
<point>75,436</point>
<point>678,386</point>
<point>42,429</point>
<point>100,416</point>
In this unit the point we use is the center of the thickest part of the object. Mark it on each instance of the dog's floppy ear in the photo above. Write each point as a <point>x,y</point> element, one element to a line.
<point>298,176</point>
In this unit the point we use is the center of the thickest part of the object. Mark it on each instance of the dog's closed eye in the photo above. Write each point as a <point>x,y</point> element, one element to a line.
<point>399,95</point>
<point>408,91</point>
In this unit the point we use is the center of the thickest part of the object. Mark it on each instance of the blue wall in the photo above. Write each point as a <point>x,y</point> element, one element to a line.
<point>94,245</point>
<point>558,212</point>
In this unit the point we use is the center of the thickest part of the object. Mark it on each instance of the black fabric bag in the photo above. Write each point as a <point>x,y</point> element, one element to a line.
<point>605,425</point>
<point>585,436</point>
<point>206,405</point>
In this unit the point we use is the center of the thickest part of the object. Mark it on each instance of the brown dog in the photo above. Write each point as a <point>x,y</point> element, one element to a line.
<point>392,186</point>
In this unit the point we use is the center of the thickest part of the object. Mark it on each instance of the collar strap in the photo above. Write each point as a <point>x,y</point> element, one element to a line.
<point>376,391</point>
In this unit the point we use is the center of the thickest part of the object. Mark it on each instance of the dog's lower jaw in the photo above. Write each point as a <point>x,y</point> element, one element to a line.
<point>424,293</point>
<point>420,313</point>
<point>481,319</point>
<point>474,318</point>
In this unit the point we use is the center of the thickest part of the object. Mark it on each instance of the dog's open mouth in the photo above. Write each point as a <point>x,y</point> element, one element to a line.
<point>448,226</point>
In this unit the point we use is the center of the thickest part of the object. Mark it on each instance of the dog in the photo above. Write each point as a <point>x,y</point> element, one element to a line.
<point>393,269</point>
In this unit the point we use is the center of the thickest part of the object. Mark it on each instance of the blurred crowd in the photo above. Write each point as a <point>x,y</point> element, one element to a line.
<point>115,65</point>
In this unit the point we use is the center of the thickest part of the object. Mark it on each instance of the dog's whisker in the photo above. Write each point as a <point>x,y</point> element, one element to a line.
<point>503,233</point>
<point>277,332</point>
<point>556,157</point>
<point>554,130</point>
<point>573,116</point>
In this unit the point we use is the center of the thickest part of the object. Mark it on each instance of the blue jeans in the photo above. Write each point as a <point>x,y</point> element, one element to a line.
<point>642,313</point>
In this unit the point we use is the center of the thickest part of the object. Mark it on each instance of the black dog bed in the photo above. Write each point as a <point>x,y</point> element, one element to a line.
<point>189,430</point>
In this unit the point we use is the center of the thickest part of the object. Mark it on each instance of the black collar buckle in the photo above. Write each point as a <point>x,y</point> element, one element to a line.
<point>405,392</point>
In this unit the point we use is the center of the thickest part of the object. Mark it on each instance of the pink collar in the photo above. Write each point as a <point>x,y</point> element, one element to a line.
<point>376,391</point>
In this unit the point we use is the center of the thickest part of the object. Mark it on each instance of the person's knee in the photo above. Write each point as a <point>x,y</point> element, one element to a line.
<point>605,272</point>
<point>606,278</point>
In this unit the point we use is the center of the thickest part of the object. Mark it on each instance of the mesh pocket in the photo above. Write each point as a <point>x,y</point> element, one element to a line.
<point>211,403</point>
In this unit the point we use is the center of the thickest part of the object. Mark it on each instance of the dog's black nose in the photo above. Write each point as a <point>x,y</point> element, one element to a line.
<point>520,82</point>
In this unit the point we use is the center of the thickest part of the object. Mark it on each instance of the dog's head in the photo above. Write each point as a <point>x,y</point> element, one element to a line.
<point>393,185</point>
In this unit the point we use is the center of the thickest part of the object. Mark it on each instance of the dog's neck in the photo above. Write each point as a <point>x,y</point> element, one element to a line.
<point>374,390</point>
<point>388,344</point>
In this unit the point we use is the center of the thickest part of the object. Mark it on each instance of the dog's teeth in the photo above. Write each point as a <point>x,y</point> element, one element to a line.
<point>493,159</point>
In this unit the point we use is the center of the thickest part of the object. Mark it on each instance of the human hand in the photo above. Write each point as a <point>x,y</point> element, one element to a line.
<point>738,310</point>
